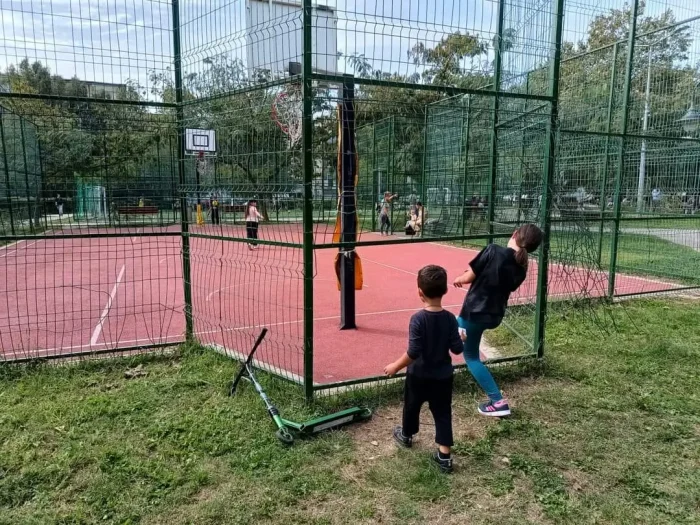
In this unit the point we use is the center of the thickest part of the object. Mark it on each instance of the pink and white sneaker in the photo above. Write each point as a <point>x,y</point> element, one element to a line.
<point>494,408</point>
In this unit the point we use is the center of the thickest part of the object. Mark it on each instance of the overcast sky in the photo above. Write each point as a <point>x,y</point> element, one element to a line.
<point>116,40</point>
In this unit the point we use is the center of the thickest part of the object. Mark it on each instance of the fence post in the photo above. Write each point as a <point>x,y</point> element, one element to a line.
<point>6,166</point>
<point>40,185</point>
<point>373,184</point>
<point>423,195</point>
<point>494,120</point>
<point>547,178</point>
<point>621,156</point>
<point>523,166</point>
<point>467,129</point>
<point>186,273</point>
<point>109,189</point>
<point>308,237</point>
<point>390,171</point>
<point>348,211</point>
<point>26,174</point>
<point>604,181</point>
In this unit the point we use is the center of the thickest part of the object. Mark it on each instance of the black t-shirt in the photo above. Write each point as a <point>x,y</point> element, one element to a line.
<point>431,337</point>
<point>498,274</point>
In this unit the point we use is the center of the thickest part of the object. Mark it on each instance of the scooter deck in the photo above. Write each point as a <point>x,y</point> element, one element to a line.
<point>335,420</point>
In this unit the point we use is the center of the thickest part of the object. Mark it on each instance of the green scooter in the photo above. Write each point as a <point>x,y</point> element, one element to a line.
<point>285,427</point>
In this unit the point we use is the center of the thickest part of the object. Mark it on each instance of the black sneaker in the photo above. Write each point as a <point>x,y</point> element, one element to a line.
<point>445,463</point>
<point>495,408</point>
<point>404,441</point>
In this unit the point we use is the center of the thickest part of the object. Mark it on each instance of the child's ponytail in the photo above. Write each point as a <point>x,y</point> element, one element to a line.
<point>521,257</point>
<point>528,237</point>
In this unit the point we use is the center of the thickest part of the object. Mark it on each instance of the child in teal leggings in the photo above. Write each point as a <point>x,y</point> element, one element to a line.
<point>494,274</point>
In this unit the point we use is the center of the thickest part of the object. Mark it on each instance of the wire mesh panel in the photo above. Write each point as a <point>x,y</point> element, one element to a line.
<point>90,256</point>
<point>464,121</point>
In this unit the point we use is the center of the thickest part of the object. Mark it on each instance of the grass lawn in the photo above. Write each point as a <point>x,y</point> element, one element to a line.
<point>685,222</point>
<point>606,430</point>
<point>643,255</point>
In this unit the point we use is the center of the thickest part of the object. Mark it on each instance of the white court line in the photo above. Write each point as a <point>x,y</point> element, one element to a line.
<point>389,266</point>
<point>218,290</point>
<point>98,329</point>
<point>262,365</point>
<point>14,252</point>
<point>328,318</point>
<point>7,246</point>
<point>174,339</point>
<point>133,239</point>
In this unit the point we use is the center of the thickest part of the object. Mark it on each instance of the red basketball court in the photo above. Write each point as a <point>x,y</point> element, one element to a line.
<point>64,295</point>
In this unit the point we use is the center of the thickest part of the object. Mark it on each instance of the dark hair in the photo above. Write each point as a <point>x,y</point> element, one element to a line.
<point>528,237</point>
<point>432,281</point>
<point>419,203</point>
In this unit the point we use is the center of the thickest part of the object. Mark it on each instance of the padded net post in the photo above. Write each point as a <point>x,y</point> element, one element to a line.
<point>348,213</point>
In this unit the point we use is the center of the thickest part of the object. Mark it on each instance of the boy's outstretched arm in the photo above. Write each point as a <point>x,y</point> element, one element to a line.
<point>413,352</point>
<point>398,365</point>
<point>457,340</point>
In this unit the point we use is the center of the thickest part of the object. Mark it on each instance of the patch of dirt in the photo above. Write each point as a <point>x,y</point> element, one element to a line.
<point>578,482</point>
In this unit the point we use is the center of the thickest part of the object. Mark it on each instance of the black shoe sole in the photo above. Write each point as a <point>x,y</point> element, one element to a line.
<point>443,468</point>
<point>401,442</point>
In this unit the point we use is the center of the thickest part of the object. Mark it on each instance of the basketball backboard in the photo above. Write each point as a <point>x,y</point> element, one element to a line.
<point>274,36</point>
<point>200,140</point>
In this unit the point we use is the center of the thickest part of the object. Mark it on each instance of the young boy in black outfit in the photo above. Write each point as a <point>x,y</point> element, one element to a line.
<point>433,333</point>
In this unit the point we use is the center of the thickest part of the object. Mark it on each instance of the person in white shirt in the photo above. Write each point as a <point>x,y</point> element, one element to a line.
<point>252,220</point>
<point>655,198</point>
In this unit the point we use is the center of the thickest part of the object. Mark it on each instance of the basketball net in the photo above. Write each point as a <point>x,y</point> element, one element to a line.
<point>203,165</point>
<point>201,168</point>
<point>286,113</point>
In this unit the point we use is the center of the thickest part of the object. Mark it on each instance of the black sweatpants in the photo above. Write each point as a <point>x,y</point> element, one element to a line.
<point>438,394</point>
<point>252,231</point>
<point>215,216</point>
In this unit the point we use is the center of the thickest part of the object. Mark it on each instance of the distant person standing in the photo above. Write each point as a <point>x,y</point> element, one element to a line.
<point>59,206</point>
<point>655,198</point>
<point>385,212</point>
<point>214,211</point>
<point>252,220</point>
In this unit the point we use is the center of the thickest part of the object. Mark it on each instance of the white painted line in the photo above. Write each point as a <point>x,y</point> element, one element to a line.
<point>14,252</point>
<point>218,290</point>
<point>328,318</point>
<point>12,244</point>
<point>364,259</point>
<point>98,329</point>
<point>133,239</point>
<point>257,363</point>
<point>175,339</point>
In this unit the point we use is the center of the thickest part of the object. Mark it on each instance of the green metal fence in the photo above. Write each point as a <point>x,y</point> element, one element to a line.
<point>578,118</point>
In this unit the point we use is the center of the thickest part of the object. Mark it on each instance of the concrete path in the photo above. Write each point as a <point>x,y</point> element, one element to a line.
<point>689,238</point>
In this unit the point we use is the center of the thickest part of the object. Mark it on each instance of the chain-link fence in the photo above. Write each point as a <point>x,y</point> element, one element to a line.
<point>178,171</point>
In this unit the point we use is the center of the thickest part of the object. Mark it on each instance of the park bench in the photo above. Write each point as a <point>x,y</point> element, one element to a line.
<point>137,210</point>
<point>577,213</point>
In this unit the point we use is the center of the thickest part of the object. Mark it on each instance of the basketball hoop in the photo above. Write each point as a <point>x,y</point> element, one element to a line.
<point>286,113</point>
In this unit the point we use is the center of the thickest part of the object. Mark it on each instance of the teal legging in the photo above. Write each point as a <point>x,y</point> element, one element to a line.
<point>473,359</point>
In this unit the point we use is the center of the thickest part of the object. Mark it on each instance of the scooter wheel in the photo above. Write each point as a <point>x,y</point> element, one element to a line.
<point>366,413</point>
<point>285,436</point>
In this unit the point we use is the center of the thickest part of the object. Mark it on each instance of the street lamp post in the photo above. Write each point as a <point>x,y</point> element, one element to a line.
<point>645,124</point>
<point>691,120</point>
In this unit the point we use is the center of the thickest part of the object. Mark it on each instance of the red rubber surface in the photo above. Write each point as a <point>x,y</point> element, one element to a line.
<point>61,296</point>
